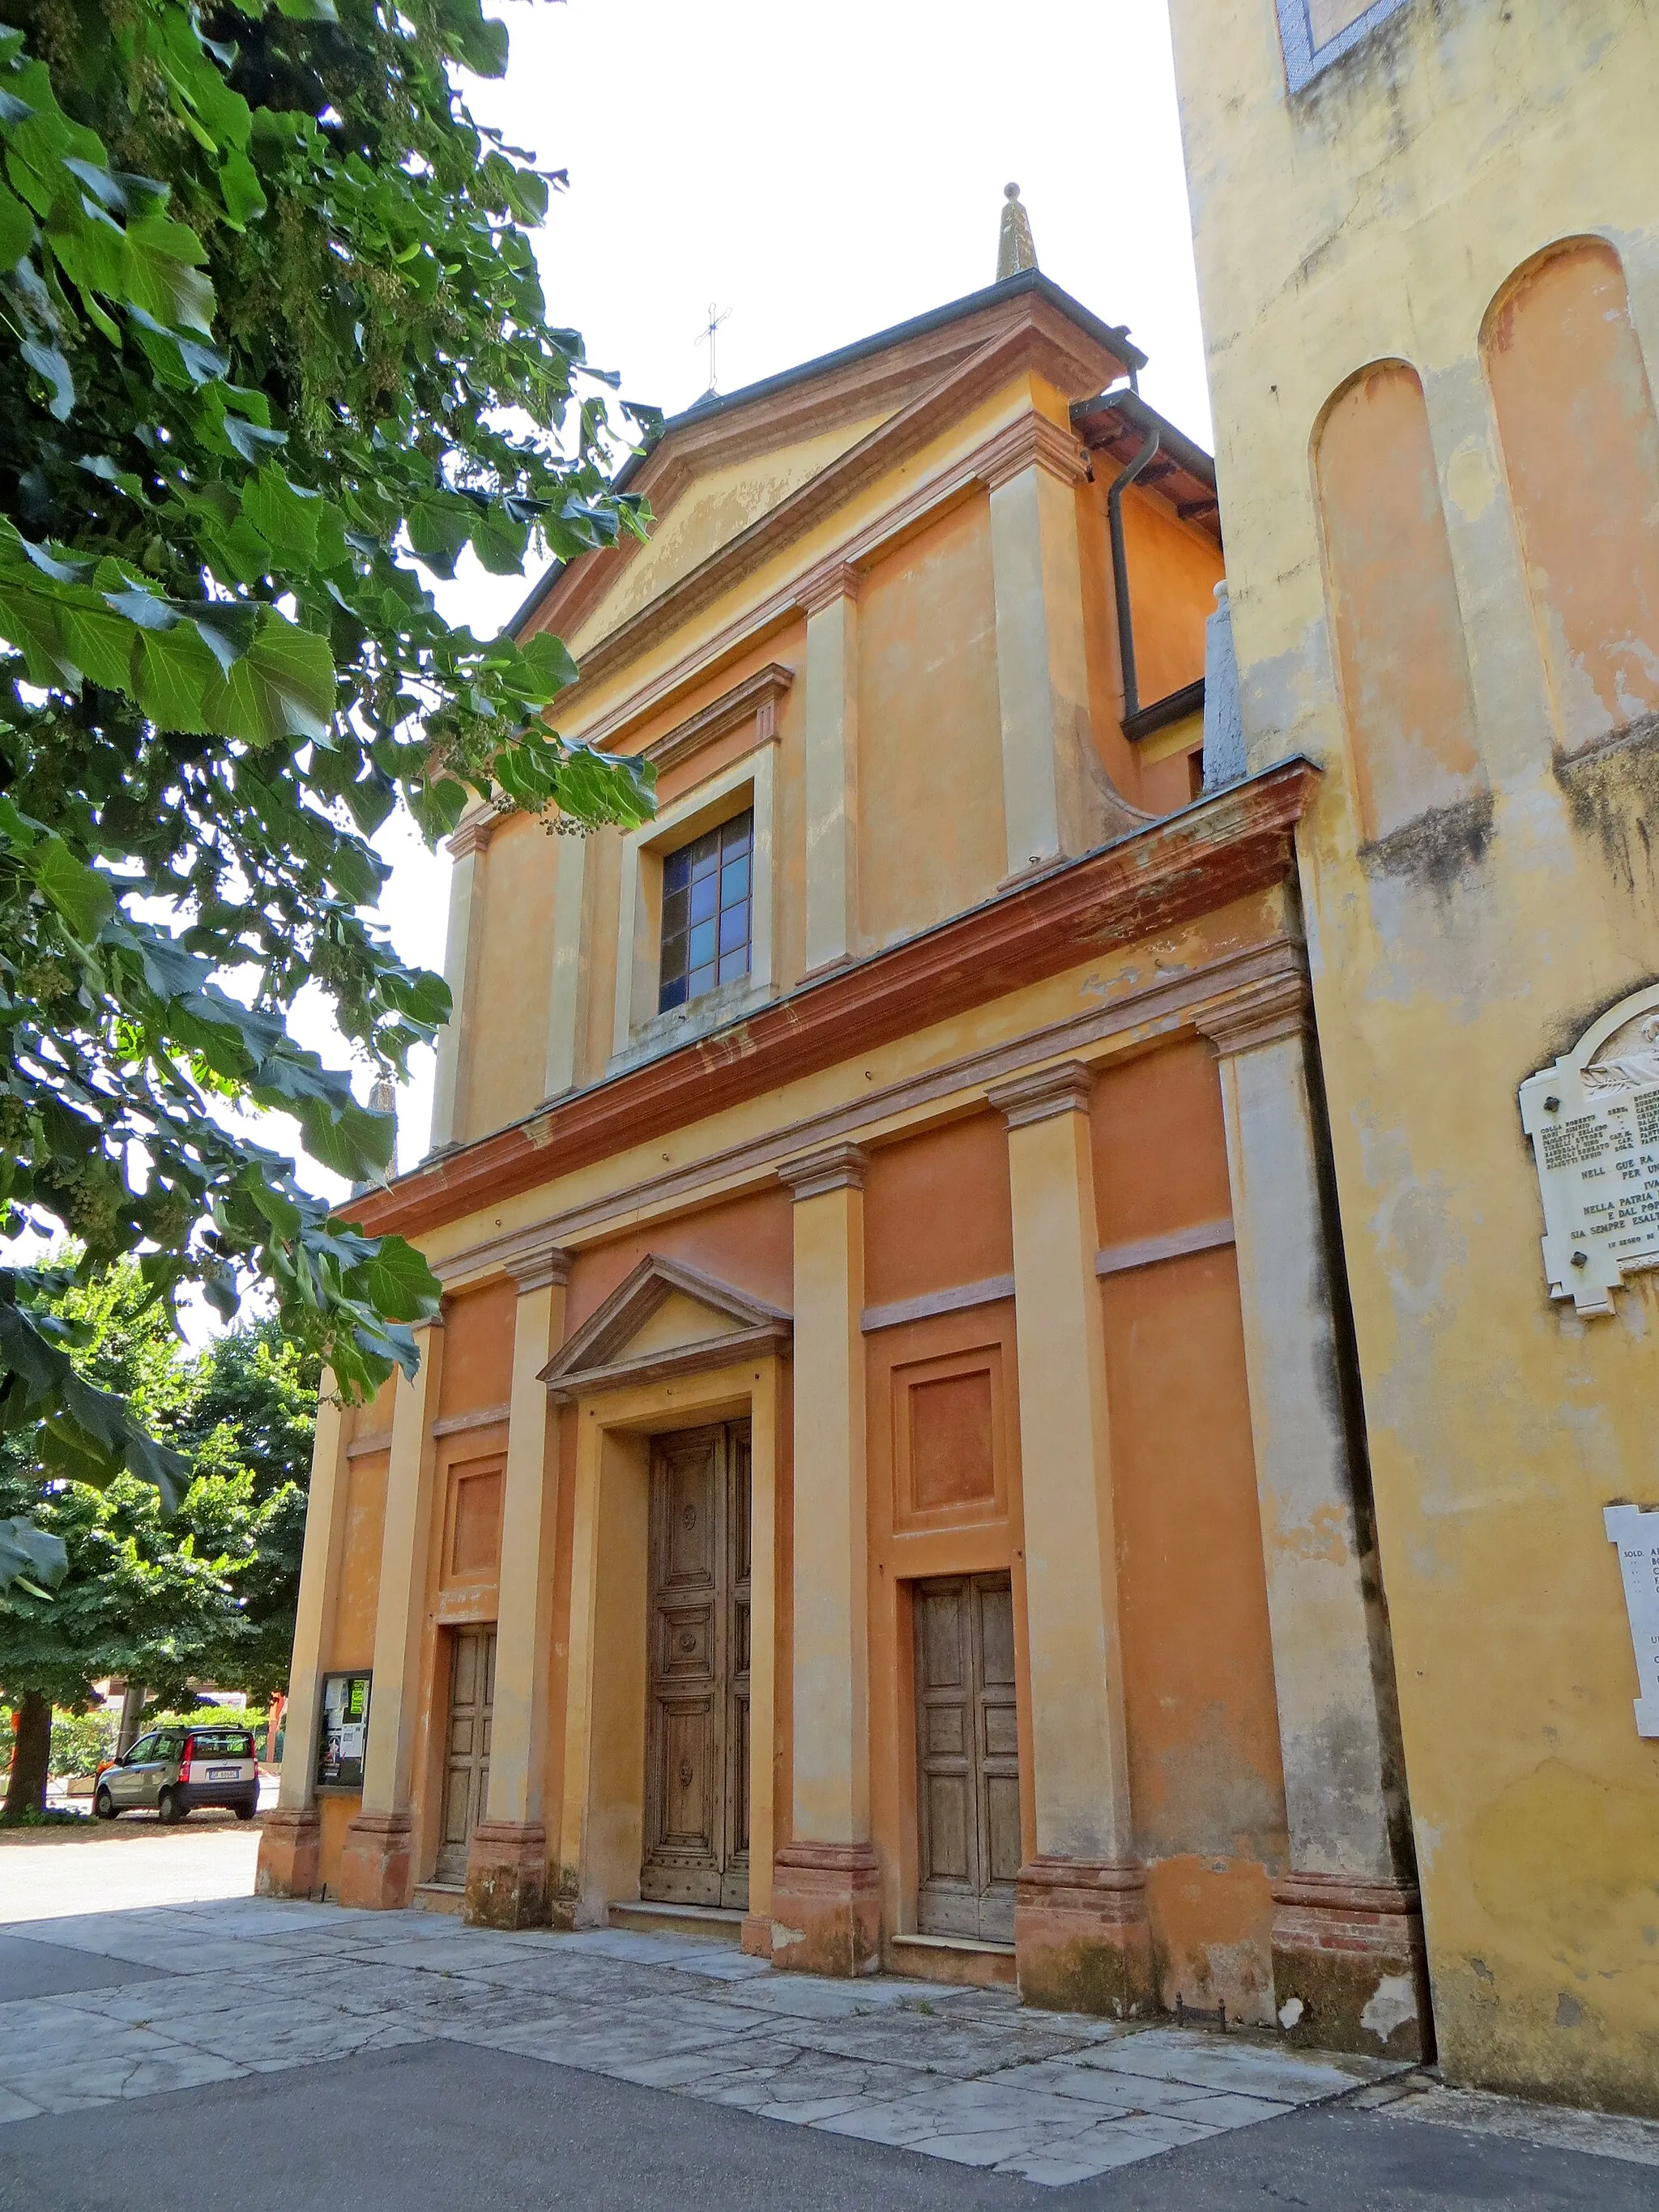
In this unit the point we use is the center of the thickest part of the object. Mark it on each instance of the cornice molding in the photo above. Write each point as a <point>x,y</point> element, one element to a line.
<point>1043,1094</point>
<point>823,585</point>
<point>1238,843</point>
<point>1032,442</point>
<point>1150,1012</point>
<point>757,696</point>
<point>1261,1014</point>
<point>531,1257</point>
<point>837,1167</point>
<point>474,835</point>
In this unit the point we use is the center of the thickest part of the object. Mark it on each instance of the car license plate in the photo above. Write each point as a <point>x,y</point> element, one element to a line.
<point>223,1773</point>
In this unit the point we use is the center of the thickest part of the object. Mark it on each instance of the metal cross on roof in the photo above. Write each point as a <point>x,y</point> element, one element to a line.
<point>706,337</point>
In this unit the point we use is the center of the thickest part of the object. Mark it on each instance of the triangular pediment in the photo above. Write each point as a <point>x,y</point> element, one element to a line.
<point>717,472</point>
<point>664,1318</point>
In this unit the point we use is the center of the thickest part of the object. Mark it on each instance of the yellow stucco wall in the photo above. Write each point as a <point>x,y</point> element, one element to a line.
<point>1376,217</point>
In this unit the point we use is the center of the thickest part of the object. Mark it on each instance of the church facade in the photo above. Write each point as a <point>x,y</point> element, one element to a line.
<point>887,1482</point>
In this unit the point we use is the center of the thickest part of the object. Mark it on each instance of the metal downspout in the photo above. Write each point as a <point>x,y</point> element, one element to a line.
<point>1126,634</point>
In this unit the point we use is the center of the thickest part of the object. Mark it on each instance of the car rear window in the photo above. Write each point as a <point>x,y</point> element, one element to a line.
<point>221,1743</point>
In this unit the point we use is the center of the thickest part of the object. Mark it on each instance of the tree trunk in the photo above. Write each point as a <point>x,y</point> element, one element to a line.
<point>30,1754</point>
<point>132,1715</point>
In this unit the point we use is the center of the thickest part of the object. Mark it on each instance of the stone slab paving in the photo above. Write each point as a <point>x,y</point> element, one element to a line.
<point>245,1986</point>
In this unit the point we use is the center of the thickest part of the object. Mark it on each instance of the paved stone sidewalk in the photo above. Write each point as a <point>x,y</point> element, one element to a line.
<point>255,1985</point>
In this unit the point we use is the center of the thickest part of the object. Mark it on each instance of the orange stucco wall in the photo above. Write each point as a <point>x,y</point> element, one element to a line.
<point>1205,1777</point>
<point>516,962</point>
<point>930,760</point>
<point>936,1210</point>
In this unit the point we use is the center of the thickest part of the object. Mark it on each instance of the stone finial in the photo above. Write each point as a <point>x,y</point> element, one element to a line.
<point>382,1099</point>
<point>1015,249</point>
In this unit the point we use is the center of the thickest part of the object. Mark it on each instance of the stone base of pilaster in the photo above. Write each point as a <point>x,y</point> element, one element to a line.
<point>756,1938</point>
<point>507,1884</point>
<point>1081,1941</point>
<point>1350,1971</point>
<point>563,1895</point>
<point>377,1870</point>
<point>290,1853</point>
<point>826,1909</point>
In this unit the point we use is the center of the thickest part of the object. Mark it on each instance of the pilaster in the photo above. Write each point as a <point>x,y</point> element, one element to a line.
<point>830,598</point>
<point>1042,689</point>
<point>507,1860</point>
<point>826,1908</point>
<point>462,942</point>
<point>291,1837</point>
<point>376,1866</point>
<point>1347,1940</point>
<point>1080,1929</point>
<point>564,998</point>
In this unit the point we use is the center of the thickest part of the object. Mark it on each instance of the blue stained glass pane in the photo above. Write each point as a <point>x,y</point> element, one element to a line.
<point>676,871</point>
<point>702,898</point>
<point>705,857</point>
<point>737,835</point>
<point>703,979</point>
<point>703,944</point>
<point>733,964</point>
<point>672,994</point>
<point>734,880</point>
<point>734,928</point>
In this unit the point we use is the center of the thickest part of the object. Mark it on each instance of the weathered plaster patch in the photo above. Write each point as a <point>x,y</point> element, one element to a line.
<point>1393,2003</point>
<point>1290,2012</point>
<point>1470,484</point>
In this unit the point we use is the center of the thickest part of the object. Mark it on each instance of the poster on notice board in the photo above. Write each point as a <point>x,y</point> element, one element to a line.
<point>343,1732</point>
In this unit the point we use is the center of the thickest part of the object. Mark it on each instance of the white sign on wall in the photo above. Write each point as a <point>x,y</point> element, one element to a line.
<point>1594,1121</point>
<point>1637,1535</point>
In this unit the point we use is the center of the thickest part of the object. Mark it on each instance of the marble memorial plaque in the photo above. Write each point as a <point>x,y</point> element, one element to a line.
<point>1637,1535</point>
<point>1594,1121</point>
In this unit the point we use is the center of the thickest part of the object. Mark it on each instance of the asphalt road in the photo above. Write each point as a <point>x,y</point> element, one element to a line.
<point>439,2126</point>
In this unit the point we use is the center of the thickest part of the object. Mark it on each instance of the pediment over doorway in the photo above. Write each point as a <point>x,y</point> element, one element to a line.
<point>663,1319</point>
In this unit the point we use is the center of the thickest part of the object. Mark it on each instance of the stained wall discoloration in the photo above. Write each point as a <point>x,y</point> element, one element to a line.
<point>1409,206</point>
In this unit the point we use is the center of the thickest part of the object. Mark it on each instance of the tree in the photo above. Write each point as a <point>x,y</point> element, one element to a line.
<point>271,333</point>
<point>157,1598</point>
<point>248,1420</point>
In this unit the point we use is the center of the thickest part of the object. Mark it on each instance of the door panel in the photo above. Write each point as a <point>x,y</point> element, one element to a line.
<point>968,1757</point>
<point>466,1752</point>
<point>696,1774</point>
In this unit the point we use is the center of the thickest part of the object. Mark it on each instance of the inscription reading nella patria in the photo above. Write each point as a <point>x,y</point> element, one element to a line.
<point>1594,1121</point>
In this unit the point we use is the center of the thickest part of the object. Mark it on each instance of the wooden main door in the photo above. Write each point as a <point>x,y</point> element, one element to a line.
<point>466,1747</point>
<point>697,1736</point>
<point>968,1758</point>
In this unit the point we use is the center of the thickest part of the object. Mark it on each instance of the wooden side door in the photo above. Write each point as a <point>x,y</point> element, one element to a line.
<point>466,1748</point>
<point>697,1760</point>
<point>734,1874</point>
<point>967,1756</point>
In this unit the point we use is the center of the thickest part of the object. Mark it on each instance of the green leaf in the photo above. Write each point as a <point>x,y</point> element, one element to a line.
<point>16,228</point>
<point>50,366</point>
<point>282,686</point>
<point>30,1555</point>
<point>80,895</point>
<point>394,1279</point>
<point>240,189</point>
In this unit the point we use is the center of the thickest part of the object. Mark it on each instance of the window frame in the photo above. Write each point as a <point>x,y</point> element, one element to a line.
<point>640,1028</point>
<point>1303,60</point>
<point>726,861</point>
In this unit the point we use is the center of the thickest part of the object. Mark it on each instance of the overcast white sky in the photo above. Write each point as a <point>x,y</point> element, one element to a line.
<point>823,173</point>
